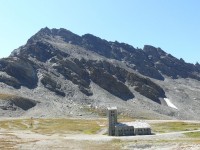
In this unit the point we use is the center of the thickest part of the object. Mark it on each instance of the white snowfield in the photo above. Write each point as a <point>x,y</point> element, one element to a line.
<point>169,103</point>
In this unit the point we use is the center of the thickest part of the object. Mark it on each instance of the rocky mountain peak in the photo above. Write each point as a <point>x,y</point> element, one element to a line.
<point>151,61</point>
<point>92,70</point>
<point>46,33</point>
<point>45,30</point>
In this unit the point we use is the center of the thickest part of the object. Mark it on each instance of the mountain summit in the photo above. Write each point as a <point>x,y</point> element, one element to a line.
<point>64,74</point>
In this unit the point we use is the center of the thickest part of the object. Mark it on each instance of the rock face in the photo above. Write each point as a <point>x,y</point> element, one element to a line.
<point>53,57</point>
<point>21,70</point>
<point>169,65</point>
<point>110,83</point>
<point>52,85</point>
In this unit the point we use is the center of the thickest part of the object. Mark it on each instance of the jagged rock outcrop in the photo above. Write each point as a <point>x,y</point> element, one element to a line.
<point>169,65</point>
<point>109,83</point>
<point>142,85</point>
<point>21,70</point>
<point>52,85</point>
<point>73,72</point>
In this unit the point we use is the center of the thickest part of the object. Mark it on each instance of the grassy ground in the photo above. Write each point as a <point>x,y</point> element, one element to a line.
<point>79,126</point>
<point>174,126</point>
<point>66,126</point>
<point>193,135</point>
<point>50,126</point>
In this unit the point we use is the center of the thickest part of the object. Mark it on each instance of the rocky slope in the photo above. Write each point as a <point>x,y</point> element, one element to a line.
<point>65,74</point>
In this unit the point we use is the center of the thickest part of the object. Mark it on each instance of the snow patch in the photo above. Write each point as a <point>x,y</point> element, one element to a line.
<point>169,103</point>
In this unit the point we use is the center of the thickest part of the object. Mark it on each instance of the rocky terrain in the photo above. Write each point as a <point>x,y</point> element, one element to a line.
<point>58,74</point>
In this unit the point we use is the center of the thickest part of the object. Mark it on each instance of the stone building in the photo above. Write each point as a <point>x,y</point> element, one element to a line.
<point>112,120</point>
<point>125,129</point>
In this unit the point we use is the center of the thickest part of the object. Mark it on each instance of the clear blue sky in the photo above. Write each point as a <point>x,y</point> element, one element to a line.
<point>173,25</point>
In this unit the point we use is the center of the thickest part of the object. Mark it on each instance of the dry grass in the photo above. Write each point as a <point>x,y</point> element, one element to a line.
<point>7,96</point>
<point>14,124</point>
<point>193,135</point>
<point>51,126</point>
<point>174,126</point>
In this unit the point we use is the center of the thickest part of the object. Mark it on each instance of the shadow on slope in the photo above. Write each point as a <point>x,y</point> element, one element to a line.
<point>10,102</point>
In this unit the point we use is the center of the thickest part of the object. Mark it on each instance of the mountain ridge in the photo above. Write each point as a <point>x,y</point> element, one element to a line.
<point>69,66</point>
<point>94,43</point>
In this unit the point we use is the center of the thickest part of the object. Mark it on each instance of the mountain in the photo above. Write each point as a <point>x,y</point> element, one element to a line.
<point>58,73</point>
